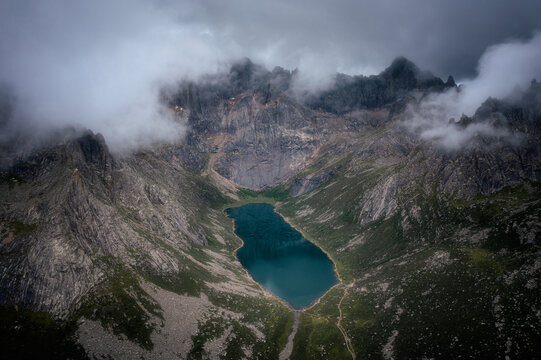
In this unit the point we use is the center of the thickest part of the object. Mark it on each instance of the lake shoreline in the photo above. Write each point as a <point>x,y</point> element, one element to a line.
<point>275,209</point>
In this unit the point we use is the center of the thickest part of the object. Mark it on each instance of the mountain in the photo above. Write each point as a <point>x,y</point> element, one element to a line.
<point>351,93</point>
<point>133,256</point>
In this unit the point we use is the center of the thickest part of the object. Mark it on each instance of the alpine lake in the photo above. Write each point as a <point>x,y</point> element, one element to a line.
<point>279,258</point>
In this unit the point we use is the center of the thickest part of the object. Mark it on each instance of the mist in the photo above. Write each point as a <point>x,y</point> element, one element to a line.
<point>100,65</point>
<point>503,71</point>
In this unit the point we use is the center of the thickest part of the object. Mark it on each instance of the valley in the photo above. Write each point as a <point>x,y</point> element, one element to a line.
<point>436,250</point>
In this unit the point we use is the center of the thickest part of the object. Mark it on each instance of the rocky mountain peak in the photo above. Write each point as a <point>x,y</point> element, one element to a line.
<point>351,93</point>
<point>93,147</point>
<point>92,156</point>
<point>241,73</point>
<point>401,68</point>
<point>144,236</point>
<point>245,75</point>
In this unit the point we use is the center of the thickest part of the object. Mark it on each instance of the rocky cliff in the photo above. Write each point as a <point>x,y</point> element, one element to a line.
<point>270,134</point>
<point>121,249</point>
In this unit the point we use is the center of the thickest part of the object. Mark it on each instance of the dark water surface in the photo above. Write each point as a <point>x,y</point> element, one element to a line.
<point>279,257</point>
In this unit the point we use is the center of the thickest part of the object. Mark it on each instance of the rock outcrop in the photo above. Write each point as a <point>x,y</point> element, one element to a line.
<point>79,205</point>
<point>124,242</point>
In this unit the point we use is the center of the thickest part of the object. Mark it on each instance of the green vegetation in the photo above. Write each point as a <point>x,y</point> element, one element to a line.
<point>122,305</point>
<point>10,180</point>
<point>485,260</point>
<point>437,257</point>
<point>504,199</point>
<point>20,228</point>
<point>439,276</point>
<point>206,193</point>
<point>208,330</point>
<point>180,283</point>
<point>318,338</point>
<point>240,341</point>
<point>275,318</point>
<point>34,335</point>
<point>407,272</point>
<point>270,196</point>
<point>273,315</point>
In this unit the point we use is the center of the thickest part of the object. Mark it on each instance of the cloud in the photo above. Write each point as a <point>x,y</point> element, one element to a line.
<point>432,119</point>
<point>447,37</point>
<point>502,70</point>
<point>100,64</point>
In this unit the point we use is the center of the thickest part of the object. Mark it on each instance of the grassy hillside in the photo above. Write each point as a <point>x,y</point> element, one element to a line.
<point>438,277</point>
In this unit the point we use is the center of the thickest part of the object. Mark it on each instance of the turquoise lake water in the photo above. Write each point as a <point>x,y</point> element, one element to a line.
<point>279,257</point>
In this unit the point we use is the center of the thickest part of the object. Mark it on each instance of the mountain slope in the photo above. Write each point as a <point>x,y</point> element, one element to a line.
<point>437,250</point>
<point>97,232</point>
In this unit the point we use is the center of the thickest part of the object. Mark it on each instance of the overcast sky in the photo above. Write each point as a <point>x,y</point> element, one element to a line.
<point>447,37</point>
<point>98,63</point>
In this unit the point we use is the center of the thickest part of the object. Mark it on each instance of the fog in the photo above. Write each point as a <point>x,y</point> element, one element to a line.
<point>503,70</point>
<point>100,64</point>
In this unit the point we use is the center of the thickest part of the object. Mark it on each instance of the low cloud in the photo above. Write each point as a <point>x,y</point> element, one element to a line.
<point>503,71</point>
<point>99,65</point>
